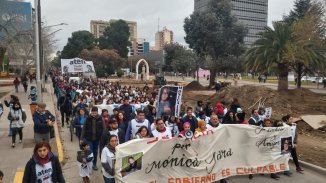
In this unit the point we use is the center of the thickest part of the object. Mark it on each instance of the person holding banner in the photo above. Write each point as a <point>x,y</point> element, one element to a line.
<point>108,159</point>
<point>294,133</point>
<point>161,130</point>
<point>165,107</point>
<point>254,119</point>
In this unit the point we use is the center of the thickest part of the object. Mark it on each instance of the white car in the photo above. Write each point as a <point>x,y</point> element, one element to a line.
<point>305,78</point>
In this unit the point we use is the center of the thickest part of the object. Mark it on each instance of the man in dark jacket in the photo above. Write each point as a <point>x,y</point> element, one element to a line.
<point>92,132</point>
<point>191,119</point>
<point>64,104</point>
<point>43,121</point>
<point>126,107</point>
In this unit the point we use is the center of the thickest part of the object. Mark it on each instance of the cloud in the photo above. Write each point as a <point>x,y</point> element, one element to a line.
<point>79,13</point>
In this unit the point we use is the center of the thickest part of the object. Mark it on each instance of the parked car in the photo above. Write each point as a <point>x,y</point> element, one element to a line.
<point>305,79</point>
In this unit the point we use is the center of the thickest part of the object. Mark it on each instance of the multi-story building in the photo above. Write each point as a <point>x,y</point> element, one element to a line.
<point>163,37</point>
<point>251,13</point>
<point>138,47</point>
<point>98,28</point>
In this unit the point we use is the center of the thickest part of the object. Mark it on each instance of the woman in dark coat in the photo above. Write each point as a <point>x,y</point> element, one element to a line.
<point>43,166</point>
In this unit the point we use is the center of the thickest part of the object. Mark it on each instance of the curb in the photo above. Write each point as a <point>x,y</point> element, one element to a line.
<point>61,155</point>
<point>313,167</point>
<point>19,176</point>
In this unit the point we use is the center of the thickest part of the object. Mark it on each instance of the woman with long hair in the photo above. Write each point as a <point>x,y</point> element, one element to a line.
<point>43,166</point>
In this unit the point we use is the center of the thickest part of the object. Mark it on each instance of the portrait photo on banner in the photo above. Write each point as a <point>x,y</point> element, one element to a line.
<point>131,164</point>
<point>286,145</point>
<point>169,101</point>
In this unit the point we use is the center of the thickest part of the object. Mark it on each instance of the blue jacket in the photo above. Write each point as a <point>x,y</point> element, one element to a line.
<point>40,123</point>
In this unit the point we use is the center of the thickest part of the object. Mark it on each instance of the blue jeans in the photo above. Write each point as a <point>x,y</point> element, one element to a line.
<point>16,88</point>
<point>108,180</point>
<point>93,145</point>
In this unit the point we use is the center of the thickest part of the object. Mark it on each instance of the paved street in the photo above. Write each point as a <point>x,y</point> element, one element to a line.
<point>11,163</point>
<point>15,159</point>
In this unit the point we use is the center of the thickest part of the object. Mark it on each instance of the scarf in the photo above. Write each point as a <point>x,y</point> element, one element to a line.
<point>161,131</point>
<point>42,161</point>
<point>111,149</point>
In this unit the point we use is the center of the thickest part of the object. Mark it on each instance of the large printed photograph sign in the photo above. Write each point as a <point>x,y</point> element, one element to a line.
<point>76,65</point>
<point>169,101</point>
<point>228,150</point>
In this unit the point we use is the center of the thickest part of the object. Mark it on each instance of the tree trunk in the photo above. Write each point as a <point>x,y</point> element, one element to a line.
<point>213,73</point>
<point>282,77</point>
<point>2,54</point>
<point>197,75</point>
<point>300,71</point>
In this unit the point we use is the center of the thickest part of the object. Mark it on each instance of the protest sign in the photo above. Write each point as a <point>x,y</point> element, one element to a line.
<point>76,65</point>
<point>228,150</point>
<point>268,112</point>
<point>169,101</point>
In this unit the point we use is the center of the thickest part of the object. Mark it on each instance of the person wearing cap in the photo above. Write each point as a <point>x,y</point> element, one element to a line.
<point>43,121</point>
<point>92,132</point>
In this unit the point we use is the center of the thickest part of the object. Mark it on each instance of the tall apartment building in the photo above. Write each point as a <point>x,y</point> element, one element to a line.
<point>138,47</point>
<point>251,13</point>
<point>98,28</point>
<point>163,37</point>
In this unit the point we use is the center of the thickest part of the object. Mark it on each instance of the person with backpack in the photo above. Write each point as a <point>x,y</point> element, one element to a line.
<point>17,118</point>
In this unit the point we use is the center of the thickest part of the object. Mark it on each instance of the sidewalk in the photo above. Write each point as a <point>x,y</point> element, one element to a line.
<point>14,159</point>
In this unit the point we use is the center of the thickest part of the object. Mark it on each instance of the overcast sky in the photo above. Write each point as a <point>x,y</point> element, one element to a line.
<point>78,13</point>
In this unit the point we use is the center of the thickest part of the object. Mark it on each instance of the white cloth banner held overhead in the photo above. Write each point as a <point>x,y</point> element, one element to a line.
<point>226,151</point>
<point>76,65</point>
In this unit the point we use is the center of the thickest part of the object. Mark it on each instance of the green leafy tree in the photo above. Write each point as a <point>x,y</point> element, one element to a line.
<point>215,33</point>
<point>279,47</point>
<point>116,36</point>
<point>76,43</point>
<point>270,50</point>
<point>177,57</point>
<point>105,61</point>
<point>301,7</point>
<point>308,24</point>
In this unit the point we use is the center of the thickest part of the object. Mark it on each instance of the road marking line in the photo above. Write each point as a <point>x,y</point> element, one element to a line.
<point>19,176</point>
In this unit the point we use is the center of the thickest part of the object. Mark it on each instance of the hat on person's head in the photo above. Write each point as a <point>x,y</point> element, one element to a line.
<point>41,105</point>
<point>94,109</point>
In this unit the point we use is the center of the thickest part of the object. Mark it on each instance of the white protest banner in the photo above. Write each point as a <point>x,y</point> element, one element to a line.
<point>76,65</point>
<point>228,150</point>
<point>268,112</point>
<point>169,101</point>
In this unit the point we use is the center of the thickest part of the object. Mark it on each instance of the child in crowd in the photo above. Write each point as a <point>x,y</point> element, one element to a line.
<point>186,129</point>
<point>85,163</point>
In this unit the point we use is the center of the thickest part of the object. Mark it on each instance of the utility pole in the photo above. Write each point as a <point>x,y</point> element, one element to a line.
<point>37,50</point>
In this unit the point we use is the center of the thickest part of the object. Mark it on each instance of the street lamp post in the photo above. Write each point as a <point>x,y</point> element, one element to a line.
<point>37,51</point>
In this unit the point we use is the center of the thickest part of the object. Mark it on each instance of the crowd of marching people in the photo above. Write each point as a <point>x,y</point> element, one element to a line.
<point>99,131</point>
